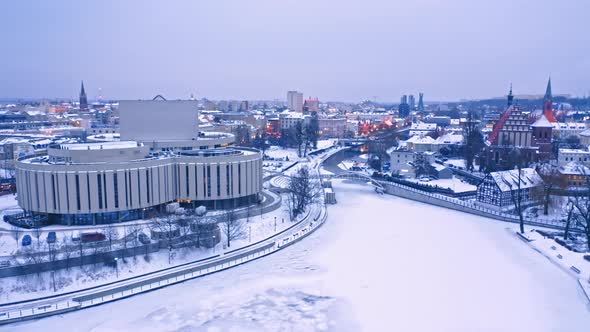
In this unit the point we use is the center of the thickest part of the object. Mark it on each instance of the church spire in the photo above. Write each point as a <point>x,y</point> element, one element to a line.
<point>510,96</point>
<point>548,94</point>
<point>548,103</point>
<point>83,98</point>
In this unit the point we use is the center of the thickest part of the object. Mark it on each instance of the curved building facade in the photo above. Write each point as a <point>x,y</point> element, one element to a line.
<point>105,182</point>
<point>116,182</point>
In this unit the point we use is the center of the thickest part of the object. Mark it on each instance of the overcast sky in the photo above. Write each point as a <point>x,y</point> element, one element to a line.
<point>332,49</point>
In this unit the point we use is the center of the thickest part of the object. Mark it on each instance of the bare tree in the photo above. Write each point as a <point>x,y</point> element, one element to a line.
<point>582,205</point>
<point>111,234</point>
<point>134,230</point>
<point>516,192</point>
<point>473,140</point>
<point>193,231</point>
<point>52,258</point>
<point>232,227</point>
<point>37,233</point>
<point>125,239</point>
<point>302,191</point>
<point>66,250</point>
<point>552,179</point>
<point>33,258</point>
<point>166,229</point>
<point>81,251</point>
<point>15,232</point>
<point>298,136</point>
<point>569,208</point>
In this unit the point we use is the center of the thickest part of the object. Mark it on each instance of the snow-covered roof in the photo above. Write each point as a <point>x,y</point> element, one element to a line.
<point>423,126</point>
<point>450,138</point>
<point>574,151</point>
<point>569,125</point>
<point>418,139</point>
<point>542,122</point>
<point>507,180</point>
<point>100,146</point>
<point>13,140</point>
<point>574,168</point>
<point>585,133</point>
<point>437,167</point>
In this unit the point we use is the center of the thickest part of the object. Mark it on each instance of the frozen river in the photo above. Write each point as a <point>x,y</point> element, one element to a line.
<point>380,263</point>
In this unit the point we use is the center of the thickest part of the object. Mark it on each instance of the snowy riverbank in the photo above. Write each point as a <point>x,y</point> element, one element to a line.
<point>380,263</point>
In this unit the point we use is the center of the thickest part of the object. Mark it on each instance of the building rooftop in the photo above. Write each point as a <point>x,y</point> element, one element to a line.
<point>542,122</point>
<point>508,180</point>
<point>100,146</point>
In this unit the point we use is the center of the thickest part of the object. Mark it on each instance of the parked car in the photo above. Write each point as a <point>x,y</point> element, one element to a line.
<point>51,237</point>
<point>26,240</point>
<point>144,239</point>
<point>75,236</point>
<point>92,237</point>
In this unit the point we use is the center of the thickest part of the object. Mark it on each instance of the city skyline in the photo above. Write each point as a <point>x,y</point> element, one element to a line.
<point>225,50</point>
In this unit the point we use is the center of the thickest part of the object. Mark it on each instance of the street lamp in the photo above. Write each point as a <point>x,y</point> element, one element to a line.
<point>117,266</point>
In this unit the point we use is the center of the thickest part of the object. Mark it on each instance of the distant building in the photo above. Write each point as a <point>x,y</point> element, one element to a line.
<point>289,120</point>
<point>420,143</point>
<point>442,121</point>
<point>574,174</point>
<point>566,156</point>
<point>311,105</point>
<point>332,127</point>
<point>404,107</point>
<point>421,102</point>
<point>565,129</point>
<point>401,162</point>
<point>83,99</point>
<point>513,131</point>
<point>295,101</point>
<point>422,128</point>
<point>411,102</point>
<point>244,106</point>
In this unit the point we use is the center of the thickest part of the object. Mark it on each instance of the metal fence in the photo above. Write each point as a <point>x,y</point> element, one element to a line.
<point>141,284</point>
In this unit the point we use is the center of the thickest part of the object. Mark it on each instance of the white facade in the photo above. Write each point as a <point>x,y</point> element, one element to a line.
<point>566,156</point>
<point>158,120</point>
<point>400,162</point>
<point>91,187</point>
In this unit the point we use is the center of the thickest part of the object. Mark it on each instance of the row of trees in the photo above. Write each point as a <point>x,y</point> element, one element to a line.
<point>577,208</point>
<point>301,136</point>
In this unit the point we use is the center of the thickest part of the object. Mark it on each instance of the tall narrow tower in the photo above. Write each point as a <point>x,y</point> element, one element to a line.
<point>548,103</point>
<point>83,99</point>
<point>421,102</point>
<point>510,96</point>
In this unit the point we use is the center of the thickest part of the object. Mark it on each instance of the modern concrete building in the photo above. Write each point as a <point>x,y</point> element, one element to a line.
<point>162,159</point>
<point>295,101</point>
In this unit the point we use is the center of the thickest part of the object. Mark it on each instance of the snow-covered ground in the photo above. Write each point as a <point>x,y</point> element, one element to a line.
<point>458,163</point>
<point>256,228</point>
<point>455,184</point>
<point>380,263</point>
<point>561,255</point>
